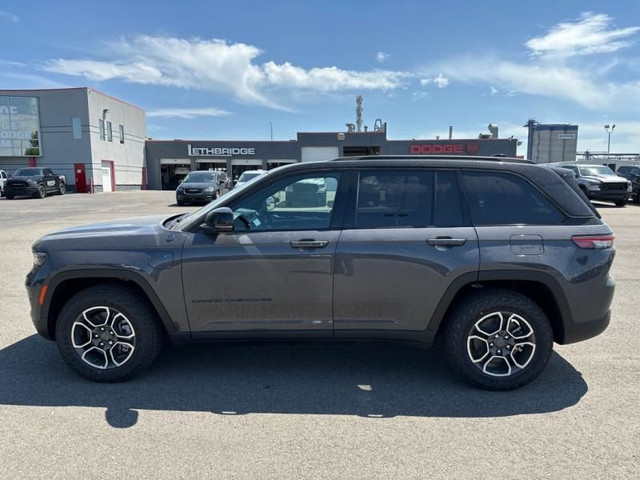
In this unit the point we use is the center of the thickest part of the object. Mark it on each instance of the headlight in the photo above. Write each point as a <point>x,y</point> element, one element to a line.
<point>594,186</point>
<point>209,189</point>
<point>32,182</point>
<point>629,187</point>
<point>39,258</point>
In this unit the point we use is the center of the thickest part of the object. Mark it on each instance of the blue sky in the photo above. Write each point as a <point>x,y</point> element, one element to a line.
<point>225,70</point>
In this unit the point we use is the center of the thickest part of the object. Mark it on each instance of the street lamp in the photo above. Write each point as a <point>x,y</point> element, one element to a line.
<point>609,129</point>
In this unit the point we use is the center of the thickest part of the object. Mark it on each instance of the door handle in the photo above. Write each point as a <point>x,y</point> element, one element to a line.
<point>446,242</point>
<point>309,243</point>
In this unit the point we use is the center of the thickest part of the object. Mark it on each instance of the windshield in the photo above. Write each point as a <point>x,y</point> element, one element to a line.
<point>28,172</point>
<point>246,176</point>
<point>596,170</point>
<point>200,177</point>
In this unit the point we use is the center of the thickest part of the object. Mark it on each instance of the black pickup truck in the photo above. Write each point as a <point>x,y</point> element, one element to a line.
<point>34,182</point>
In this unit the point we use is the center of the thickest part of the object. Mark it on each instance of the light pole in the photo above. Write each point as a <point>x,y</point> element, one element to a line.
<point>609,129</point>
<point>271,130</point>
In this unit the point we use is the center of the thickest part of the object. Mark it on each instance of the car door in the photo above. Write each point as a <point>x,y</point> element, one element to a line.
<point>273,275</point>
<point>49,180</point>
<point>405,240</point>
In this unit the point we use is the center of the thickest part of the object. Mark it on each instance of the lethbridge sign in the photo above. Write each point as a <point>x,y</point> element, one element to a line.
<point>220,151</point>
<point>470,148</point>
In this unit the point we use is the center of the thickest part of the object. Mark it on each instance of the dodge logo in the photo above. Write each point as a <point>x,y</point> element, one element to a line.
<point>472,148</point>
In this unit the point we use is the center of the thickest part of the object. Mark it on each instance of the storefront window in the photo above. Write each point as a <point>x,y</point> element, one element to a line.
<point>19,127</point>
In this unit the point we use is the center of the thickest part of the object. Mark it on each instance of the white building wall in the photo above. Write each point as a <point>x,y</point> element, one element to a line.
<point>127,157</point>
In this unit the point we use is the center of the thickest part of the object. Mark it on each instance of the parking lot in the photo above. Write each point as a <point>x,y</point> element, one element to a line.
<point>307,411</point>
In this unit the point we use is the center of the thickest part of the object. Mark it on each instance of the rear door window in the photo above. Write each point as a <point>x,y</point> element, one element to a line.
<point>498,198</point>
<point>394,198</point>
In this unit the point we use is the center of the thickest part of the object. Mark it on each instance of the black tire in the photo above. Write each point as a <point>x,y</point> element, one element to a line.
<point>62,188</point>
<point>637,198</point>
<point>180,203</point>
<point>42,192</point>
<point>9,196</point>
<point>461,324</point>
<point>147,339</point>
<point>620,203</point>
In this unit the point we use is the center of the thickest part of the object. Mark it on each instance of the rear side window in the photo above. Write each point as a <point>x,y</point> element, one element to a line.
<point>497,198</point>
<point>388,199</point>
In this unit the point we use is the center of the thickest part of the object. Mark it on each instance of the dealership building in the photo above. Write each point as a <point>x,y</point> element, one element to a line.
<point>95,140</point>
<point>169,160</point>
<point>100,143</point>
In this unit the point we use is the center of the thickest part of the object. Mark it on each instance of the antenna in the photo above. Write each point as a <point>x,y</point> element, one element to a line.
<point>359,113</point>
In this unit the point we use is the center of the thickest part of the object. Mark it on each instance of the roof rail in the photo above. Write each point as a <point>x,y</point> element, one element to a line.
<point>435,157</point>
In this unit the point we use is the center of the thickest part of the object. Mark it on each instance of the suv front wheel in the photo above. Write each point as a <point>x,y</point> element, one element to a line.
<point>107,334</point>
<point>498,339</point>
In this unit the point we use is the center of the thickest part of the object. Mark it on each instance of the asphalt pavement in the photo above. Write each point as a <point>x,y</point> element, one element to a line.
<point>334,411</point>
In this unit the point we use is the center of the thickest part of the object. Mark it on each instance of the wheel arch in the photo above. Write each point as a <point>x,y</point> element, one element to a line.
<point>67,284</point>
<point>540,287</point>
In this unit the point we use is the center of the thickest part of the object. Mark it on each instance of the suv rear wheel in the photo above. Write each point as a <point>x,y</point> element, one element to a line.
<point>498,339</point>
<point>107,334</point>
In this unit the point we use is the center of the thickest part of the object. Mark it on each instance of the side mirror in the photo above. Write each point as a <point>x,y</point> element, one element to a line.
<point>220,219</point>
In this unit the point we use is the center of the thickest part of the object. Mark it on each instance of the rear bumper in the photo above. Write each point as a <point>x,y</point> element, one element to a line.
<point>577,332</point>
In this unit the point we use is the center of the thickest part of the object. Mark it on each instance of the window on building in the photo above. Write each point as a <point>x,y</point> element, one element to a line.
<point>76,127</point>
<point>109,132</point>
<point>388,199</point>
<point>101,126</point>
<point>506,199</point>
<point>121,131</point>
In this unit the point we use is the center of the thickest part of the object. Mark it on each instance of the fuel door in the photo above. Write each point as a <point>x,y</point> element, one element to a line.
<point>526,244</point>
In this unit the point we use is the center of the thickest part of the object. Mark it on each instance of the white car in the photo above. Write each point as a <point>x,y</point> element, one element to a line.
<point>3,181</point>
<point>249,176</point>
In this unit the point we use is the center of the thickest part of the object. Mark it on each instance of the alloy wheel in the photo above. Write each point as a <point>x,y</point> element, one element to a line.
<point>501,344</point>
<point>103,337</point>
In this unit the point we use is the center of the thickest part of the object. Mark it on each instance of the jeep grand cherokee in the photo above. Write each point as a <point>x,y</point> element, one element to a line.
<point>500,258</point>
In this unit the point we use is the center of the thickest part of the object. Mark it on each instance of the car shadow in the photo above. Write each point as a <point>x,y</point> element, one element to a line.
<point>367,380</point>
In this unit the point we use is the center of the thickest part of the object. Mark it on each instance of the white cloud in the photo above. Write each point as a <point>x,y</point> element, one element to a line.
<point>592,33</point>
<point>187,112</point>
<point>382,56</point>
<point>419,95</point>
<point>216,65</point>
<point>547,80</point>
<point>9,16</point>
<point>493,91</point>
<point>439,81</point>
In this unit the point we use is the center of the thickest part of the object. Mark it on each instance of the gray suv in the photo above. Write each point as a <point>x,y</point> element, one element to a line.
<point>498,258</point>
<point>599,182</point>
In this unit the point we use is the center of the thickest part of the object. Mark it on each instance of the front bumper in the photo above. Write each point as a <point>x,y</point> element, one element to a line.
<point>195,197</point>
<point>17,191</point>
<point>34,283</point>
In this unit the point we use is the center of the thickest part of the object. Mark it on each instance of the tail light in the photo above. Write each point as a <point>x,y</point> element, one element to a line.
<point>593,242</point>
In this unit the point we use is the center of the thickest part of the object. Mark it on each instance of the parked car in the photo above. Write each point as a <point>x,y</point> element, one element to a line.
<point>498,258</point>
<point>35,182</point>
<point>3,181</point>
<point>247,176</point>
<point>599,182</point>
<point>202,186</point>
<point>631,173</point>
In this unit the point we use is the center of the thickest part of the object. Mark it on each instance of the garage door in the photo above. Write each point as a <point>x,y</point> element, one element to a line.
<point>106,177</point>
<point>315,154</point>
